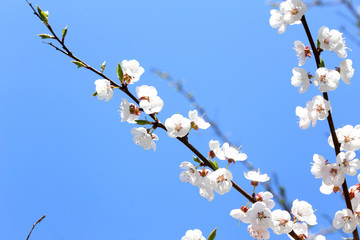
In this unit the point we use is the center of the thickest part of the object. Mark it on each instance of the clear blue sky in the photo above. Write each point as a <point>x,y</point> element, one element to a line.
<point>67,155</point>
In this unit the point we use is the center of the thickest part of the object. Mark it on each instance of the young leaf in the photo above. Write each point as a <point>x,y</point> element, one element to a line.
<point>322,63</point>
<point>45,36</point>
<point>196,159</point>
<point>64,32</point>
<point>318,43</point>
<point>212,235</point>
<point>103,66</point>
<point>94,94</point>
<point>214,165</point>
<point>78,64</point>
<point>120,73</point>
<point>143,122</point>
<point>43,15</point>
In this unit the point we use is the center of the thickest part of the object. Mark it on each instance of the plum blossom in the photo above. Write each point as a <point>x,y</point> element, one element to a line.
<point>143,138</point>
<point>349,138</point>
<point>103,89</point>
<point>318,109</point>
<point>240,214</point>
<point>318,168</point>
<point>302,52</point>
<point>327,80</point>
<point>346,71</point>
<point>334,175</point>
<point>303,212</point>
<point>301,229</point>
<point>195,234</point>
<point>333,41</point>
<point>255,177</point>
<point>132,71</point>
<point>320,237</point>
<point>177,126</point>
<point>344,219</point>
<point>196,121</point>
<point>205,185</point>
<point>300,79</point>
<point>328,189</point>
<point>129,112</point>
<point>266,197</point>
<point>258,232</point>
<point>277,21</point>
<point>221,180</point>
<point>191,175</point>
<point>281,222</point>
<point>149,101</point>
<point>259,215</point>
<point>293,11</point>
<point>304,120</point>
<point>216,150</point>
<point>348,164</point>
<point>233,154</point>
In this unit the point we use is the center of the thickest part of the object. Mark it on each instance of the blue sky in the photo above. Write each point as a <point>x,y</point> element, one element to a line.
<point>68,155</point>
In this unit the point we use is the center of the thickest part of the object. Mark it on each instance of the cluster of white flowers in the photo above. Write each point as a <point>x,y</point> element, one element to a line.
<point>261,218</point>
<point>150,102</point>
<point>316,109</point>
<point>333,41</point>
<point>291,11</point>
<point>226,152</point>
<point>220,180</point>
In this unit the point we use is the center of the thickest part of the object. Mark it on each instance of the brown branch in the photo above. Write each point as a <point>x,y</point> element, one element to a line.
<point>38,221</point>
<point>330,122</point>
<point>124,89</point>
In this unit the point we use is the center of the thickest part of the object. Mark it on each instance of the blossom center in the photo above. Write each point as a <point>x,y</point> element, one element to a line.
<point>323,78</point>
<point>283,222</point>
<point>261,215</point>
<point>178,127</point>
<point>320,108</point>
<point>333,171</point>
<point>294,11</point>
<point>347,139</point>
<point>221,179</point>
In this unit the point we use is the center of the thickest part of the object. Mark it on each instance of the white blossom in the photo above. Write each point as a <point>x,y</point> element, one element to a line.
<point>300,79</point>
<point>293,11</point>
<point>132,71</point>
<point>301,229</point>
<point>318,109</point>
<point>233,154</point>
<point>318,166</point>
<point>304,120</point>
<point>349,138</point>
<point>195,234</point>
<point>216,150</point>
<point>348,164</point>
<point>303,211</point>
<point>191,175</point>
<point>344,219</point>
<point>281,222</point>
<point>258,232</point>
<point>266,197</point>
<point>149,101</point>
<point>327,80</point>
<point>277,21</point>
<point>205,185</point>
<point>103,89</point>
<point>326,189</point>
<point>221,180</point>
<point>346,71</point>
<point>259,215</point>
<point>143,138</point>
<point>333,41</point>
<point>177,126</point>
<point>320,237</point>
<point>255,177</point>
<point>240,214</point>
<point>302,52</point>
<point>334,175</point>
<point>197,122</point>
<point>129,111</point>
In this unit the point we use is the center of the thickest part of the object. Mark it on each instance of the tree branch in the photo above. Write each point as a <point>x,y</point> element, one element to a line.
<point>38,221</point>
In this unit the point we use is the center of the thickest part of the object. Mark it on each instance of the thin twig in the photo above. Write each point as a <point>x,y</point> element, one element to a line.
<point>38,221</point>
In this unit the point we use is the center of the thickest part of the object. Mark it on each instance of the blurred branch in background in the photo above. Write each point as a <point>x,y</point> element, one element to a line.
<point>38,221</point>
<point>279,193</point>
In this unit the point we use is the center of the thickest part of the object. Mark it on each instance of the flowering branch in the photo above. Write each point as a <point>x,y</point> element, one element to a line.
<point>337,145</point>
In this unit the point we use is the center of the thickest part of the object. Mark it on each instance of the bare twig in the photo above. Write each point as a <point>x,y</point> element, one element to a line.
<point>38,221</point>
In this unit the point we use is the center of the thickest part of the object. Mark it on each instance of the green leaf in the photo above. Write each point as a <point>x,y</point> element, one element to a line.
<point>64,32</point>
<point>143,122</point>
<point>94,94</point>
<point>43,15</point>
<point>214,165</point>
<point>322,63</point>
<point>212,235</point>
<point>103,66</point>
<point>120,73</point>
<point>318,43</point>
<point>196,159</point>
<point>78,64</point>
<point>45,36</point>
